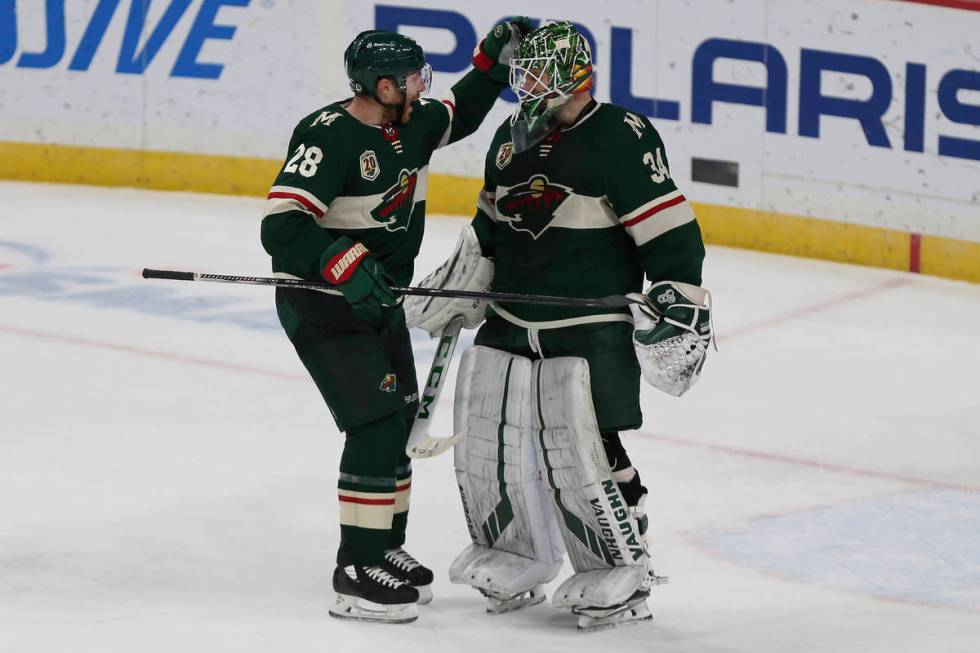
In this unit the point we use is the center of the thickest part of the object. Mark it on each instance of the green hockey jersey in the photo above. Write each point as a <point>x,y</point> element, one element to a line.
<point>342,177</point>
<point>585,213</point>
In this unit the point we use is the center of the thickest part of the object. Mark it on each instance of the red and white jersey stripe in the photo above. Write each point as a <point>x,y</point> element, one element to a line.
<point>657,217</point>
<point>449,101</point>
<point>289,198</point>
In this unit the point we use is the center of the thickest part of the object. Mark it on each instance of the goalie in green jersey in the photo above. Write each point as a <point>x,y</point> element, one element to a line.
<point>348,206</point>
<point>578,201</point>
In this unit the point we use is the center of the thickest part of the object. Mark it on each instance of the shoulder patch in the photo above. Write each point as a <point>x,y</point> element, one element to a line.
<point>325,118</point>
<point>635,123</point>
<point>504,154</point>
<point>370,169</point>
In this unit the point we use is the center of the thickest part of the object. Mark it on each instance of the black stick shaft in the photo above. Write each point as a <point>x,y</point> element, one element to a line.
<point>610,301</point>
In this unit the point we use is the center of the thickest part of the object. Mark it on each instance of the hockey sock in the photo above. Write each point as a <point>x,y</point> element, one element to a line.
<point>403,486</point>
<point>368,489</point>
<point>403,491</point>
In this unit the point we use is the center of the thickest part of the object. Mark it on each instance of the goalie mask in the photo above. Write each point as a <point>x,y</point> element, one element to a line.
<point>550,65</point>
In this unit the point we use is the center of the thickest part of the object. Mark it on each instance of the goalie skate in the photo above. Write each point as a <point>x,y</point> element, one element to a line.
<point>499,603</point>
<point>628,613</point>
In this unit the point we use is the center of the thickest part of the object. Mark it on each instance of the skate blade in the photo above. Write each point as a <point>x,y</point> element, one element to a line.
<point>425,594</point>
<point>590,619</point>
<point>502,605</point>
<point>357,609</point>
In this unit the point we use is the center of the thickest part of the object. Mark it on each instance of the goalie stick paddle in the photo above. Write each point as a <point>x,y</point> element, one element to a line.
<point>609,301</point>
<point>421,444</point>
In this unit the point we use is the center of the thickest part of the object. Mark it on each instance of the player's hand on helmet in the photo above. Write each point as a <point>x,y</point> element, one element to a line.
<point>359,276</point>
<point>672,333</point>
<point>493,54</point>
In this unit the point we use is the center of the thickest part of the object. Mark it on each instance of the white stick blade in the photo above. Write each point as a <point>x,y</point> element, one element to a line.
<point>429,446</point>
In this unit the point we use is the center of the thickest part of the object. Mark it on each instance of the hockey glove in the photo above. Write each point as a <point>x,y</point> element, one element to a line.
<point>672,333</point>
<point>465,269</point>
<point>359,276</point>
<point>493,54</point>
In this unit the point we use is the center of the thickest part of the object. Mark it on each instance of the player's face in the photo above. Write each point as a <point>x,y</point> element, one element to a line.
<point>414,88</point>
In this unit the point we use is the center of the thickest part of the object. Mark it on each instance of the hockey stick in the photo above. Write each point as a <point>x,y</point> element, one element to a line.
<point>420,443</point>
<point>609,301</point>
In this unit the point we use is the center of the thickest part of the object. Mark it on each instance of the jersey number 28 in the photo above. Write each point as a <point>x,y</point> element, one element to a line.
<point>313,157</point>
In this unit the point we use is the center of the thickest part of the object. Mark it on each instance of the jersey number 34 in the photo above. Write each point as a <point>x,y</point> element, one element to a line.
<point>660,171</point>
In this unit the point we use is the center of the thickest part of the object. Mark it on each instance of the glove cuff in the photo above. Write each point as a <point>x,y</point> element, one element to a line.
<point>481,60</point>
<point>340,266</point>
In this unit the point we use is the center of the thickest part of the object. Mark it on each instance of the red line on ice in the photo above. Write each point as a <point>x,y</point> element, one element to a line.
<point>804,462</point>
<point>162,355</point>
<point>803,311</point>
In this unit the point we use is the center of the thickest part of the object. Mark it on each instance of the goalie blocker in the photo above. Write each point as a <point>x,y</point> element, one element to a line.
<point>534,479</point>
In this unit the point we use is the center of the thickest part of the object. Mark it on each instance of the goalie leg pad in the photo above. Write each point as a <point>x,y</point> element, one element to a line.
<point>600,534</point>
<point>515,544</point>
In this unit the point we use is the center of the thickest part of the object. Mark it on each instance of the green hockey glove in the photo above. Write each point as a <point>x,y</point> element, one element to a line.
<point>672,334</point>
<point>350,266</point>
<point>493,54</point>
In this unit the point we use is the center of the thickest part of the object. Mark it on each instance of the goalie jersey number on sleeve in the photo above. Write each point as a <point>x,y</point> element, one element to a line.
<point>660,171</point>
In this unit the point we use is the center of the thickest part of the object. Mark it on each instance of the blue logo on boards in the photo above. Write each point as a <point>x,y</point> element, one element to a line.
<point>814,99</point>
<point>132,59</point>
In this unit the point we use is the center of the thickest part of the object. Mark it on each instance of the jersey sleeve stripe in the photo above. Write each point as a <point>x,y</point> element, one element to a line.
<point>485,202</point>
<point>668,217</point>
<point>306,200</point>
<point>450,103</point>
<point>652,208</point>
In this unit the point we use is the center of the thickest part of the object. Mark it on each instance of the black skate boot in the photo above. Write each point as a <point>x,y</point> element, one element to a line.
<point>373,594</point>
<point>402,565</point>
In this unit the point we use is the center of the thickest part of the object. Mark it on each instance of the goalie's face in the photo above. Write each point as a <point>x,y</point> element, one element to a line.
<point>549,66</point>
<point>533,81</point>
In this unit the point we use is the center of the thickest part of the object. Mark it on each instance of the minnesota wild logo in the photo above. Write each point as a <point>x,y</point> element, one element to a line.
<point>395,209</point>
<point>389,382</point>
<point>531,206</point>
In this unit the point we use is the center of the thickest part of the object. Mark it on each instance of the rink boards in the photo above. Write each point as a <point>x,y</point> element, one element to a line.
<point>829,129</point>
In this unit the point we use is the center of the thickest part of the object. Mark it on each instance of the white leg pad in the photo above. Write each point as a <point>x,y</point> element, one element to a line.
<point>600,536</point>
<point>515,542</point>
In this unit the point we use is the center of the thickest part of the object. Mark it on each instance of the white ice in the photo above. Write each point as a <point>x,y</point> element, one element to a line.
<point>167,470</point>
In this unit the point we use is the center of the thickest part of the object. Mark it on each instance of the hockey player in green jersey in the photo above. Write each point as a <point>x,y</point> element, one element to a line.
<point>578,201</point>
<point>348,206</point>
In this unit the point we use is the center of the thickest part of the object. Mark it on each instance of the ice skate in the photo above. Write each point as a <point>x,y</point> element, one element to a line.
<point>373,594</point>
<point>632,611</point>
<point>402,565</point>
<point>499,603</point>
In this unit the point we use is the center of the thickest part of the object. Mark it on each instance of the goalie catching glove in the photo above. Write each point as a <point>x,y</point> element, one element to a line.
<point>672,333</point>
<point>466,269</point>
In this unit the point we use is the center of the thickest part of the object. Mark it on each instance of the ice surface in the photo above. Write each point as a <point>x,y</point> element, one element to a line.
<point>167,471</point>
